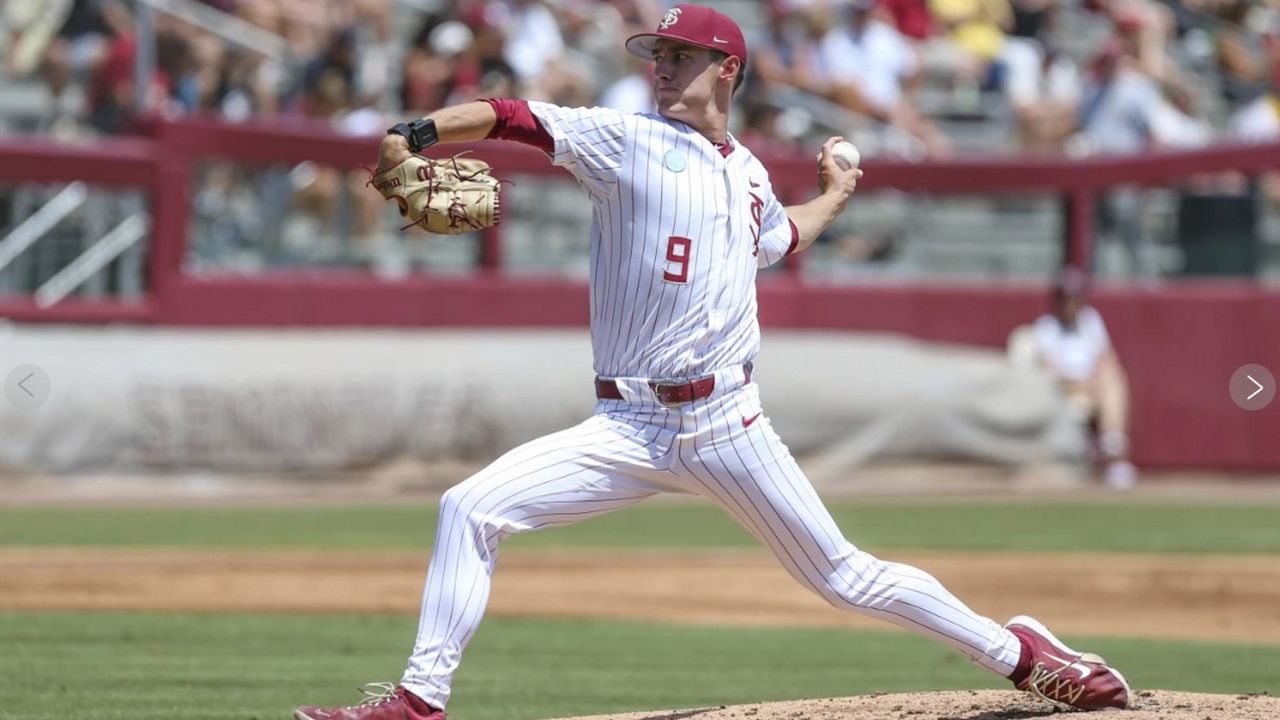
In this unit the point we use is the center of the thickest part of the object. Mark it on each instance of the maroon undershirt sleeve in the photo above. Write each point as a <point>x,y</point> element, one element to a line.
<point>517,122</point>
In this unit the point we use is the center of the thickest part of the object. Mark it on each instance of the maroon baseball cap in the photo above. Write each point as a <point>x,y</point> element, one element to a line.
<point>1071,281</point>
<point>695,25</point>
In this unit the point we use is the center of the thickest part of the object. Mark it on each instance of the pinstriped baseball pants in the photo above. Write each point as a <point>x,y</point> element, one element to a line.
<point>629,451</point>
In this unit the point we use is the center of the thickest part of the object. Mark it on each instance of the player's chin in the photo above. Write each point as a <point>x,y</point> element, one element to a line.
<point>667,98</point>
<point>670,108</point>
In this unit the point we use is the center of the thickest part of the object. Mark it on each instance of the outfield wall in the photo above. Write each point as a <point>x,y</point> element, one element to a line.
<point>129,400</point>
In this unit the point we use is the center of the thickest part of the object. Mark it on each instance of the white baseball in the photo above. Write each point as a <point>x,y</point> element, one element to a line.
<point>846,155</point>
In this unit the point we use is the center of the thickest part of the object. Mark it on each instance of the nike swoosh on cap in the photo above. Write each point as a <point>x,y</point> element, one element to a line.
<point>717,39</point>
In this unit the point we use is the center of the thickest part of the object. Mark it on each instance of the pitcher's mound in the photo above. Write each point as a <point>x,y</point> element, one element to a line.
<point>975,705</point>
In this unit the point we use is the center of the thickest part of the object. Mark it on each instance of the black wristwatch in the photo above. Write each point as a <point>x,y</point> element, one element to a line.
<point>421,134</point>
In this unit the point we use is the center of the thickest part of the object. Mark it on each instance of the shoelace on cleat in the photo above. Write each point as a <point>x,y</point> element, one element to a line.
<point>1053,688</point>
<point>381,692</point>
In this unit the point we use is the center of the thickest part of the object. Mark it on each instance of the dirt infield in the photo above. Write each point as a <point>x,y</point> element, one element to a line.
<point>974,705</point>
<point>1214,598</point>
<point>1223,598</point>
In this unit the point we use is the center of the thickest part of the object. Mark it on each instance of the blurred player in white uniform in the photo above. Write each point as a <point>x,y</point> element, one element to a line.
<point>683,218</point>
<point>1073,345</point>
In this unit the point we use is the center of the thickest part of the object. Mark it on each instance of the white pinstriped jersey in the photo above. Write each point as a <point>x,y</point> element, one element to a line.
<point>677,234</point>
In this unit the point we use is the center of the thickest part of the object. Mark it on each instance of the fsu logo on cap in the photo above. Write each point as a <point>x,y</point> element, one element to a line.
<point>669,19</point>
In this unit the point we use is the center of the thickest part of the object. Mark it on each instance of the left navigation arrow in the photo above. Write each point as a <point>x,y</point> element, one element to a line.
<point>27,387</point>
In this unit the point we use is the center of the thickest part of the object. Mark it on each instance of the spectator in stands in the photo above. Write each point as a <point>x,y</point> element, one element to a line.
<point>975,30</point>
<point>306,28</point>
<point>438,59</point>
<point>1072,345</point>
<point>333,206</point>
<point>488,70</point>
<point>111,96</point>
<point>491,75</point>
<point>455,60</point>
<point>1034,19</point>
<point>867,61</point>
<point>28,29</point>
<point>533,46</point>
<point>372,23</point>
<point>911,17</point>
<point>250,83</point>
<point>190,62</point>
<point>1124,110</point>
<point>1259,120</point>
<point>789,56</point>
<point>1146,29</point>
<point>66,41</point>
<point>875,68</point>
<point>247,85</point>
<point>1043,87</point>
<point>1113,112</point>
<point>534,42</point>
<point>358,52</point>
<point>338,58</point>
<point>1241,68</point>
<point>942,59</point>
<point>592,31</point>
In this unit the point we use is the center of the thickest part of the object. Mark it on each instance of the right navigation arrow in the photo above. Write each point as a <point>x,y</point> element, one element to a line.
<point>1252,387</point>
<point>1261,387</point>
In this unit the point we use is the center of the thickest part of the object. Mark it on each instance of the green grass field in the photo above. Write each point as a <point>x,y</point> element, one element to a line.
<point>136,666</point>
<point>187,666</point>
<point>1123,526</point>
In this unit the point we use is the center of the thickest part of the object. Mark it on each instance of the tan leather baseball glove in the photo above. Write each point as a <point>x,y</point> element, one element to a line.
<point>450,196</point>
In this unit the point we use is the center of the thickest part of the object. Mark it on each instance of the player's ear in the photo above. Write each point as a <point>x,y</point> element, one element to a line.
<point>730,68</point>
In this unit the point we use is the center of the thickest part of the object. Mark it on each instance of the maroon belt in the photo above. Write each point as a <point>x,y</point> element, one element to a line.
<point>669,393</point>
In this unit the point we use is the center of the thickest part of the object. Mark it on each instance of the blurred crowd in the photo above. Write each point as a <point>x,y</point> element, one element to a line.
<point>896,73</point>
<point>905,78</point>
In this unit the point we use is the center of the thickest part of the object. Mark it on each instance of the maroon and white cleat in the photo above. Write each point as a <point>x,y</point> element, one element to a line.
<point>1061,676</point>
<point>384,702</point>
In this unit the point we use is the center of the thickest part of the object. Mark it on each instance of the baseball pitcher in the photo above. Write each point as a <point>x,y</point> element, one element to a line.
<point>684,216</point>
